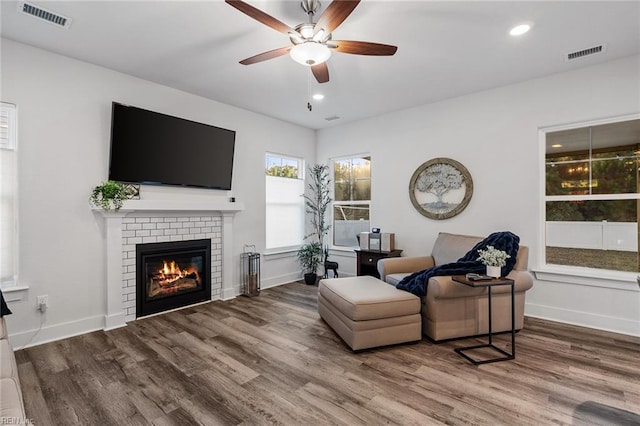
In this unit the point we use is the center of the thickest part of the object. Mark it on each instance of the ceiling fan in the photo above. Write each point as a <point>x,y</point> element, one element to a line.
<point>311,41</point>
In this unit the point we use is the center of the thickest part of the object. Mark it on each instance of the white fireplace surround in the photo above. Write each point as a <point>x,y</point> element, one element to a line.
<point>118,303</point>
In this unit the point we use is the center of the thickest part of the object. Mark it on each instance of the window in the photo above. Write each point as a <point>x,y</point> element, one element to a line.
<point>352,199</point>
<point>8,194</point>
<point>284,202</point>
<point>592,196</point>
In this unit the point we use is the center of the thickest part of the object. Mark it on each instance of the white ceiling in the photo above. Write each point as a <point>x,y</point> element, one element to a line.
<point>445,49</point>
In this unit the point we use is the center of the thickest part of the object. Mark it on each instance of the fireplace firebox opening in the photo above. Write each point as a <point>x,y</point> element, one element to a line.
<point>172,275</point>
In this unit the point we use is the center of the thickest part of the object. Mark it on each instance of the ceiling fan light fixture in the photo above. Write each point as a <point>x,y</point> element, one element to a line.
<point>310,53</point>
<point>320,36</point>
<point>295,37</point>
<point>306,30</point>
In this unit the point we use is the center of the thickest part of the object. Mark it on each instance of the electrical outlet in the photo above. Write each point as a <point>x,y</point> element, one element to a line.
<point>43,303</point>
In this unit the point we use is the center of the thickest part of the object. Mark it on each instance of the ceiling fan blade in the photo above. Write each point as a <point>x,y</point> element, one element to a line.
<point>260,16</point>
<point>335,14</point>
<point>264,56</point>
<point>362,48</point>
<point>321,72</point>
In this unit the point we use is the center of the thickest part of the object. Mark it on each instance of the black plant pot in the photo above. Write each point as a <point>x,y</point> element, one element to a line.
<point>310,278</point>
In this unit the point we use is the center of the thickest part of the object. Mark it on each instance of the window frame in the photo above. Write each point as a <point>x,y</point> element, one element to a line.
<point>12,145</point>
<point>368,203</point>
<point>302,177</point>
<point>577,274</point>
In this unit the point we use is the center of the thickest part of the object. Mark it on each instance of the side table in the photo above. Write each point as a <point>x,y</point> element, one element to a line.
<point>494,282</point>
<point>367,261</point>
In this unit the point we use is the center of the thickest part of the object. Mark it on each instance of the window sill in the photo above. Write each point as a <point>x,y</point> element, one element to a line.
<point>341,249</point>
<point>14,293</point>
<point>280,253</point>
<point>588,276</point>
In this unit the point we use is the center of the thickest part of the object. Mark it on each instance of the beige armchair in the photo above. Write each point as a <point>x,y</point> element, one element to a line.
<point>452,310</point>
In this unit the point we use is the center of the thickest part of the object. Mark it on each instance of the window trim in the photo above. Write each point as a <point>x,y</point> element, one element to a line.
<point>12,145</point>
<point>577,274</point>
<point>331,162</point>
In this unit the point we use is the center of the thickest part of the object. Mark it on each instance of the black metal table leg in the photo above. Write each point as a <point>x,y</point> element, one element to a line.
<point>506,355</point>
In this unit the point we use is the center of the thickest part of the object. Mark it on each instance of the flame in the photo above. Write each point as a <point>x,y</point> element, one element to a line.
<point>171,272</point>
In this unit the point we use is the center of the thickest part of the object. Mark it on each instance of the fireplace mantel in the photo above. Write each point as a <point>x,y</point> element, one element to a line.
<point>130,206</point>
<point>115,316</point>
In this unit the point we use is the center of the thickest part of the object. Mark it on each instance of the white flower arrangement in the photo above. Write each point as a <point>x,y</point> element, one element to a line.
<point>493,257</point>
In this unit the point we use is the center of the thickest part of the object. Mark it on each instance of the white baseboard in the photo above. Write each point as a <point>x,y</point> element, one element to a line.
<point>229,293</point>
<point>114,321</point>
<point>280,280</point>
<point>584,319</point>
<point>50,333</point>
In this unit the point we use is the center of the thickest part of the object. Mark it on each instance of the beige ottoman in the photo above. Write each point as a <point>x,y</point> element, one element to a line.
<point>367,312</point>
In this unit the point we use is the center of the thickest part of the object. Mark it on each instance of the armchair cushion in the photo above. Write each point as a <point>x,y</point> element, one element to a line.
<point>448,248</point>
<point>394,279</point>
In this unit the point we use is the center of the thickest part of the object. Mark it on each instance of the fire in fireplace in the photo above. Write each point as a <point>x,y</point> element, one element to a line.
<point>172,275</point>
<point>170,279</point>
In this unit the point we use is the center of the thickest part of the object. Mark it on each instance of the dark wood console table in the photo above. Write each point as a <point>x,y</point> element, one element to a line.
<point>367,261</point>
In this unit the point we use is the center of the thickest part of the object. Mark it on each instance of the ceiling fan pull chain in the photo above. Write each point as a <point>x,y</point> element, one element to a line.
<point>309,106</point>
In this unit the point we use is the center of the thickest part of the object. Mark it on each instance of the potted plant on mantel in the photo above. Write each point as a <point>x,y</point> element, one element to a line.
<point>109,195</point>
<point>316,202</point>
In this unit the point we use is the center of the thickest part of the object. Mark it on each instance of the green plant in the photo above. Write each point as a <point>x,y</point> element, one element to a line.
<point>108,195</point>
<point>319,200</point>
<point>309,256</point>
<point>493,257</point>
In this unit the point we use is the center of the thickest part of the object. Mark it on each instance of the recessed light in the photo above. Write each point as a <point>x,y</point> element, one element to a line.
<point>520,29</point>
<point>318,96</point>
<point>557,145</point>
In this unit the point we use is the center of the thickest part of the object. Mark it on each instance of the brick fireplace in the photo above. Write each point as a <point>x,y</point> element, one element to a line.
<point>142,222</point>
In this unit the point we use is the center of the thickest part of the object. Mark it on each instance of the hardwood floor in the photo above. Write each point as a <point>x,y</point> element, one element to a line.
<point>272,360</point>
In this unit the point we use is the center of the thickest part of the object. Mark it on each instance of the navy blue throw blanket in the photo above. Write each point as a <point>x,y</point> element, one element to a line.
<point>416,283</point>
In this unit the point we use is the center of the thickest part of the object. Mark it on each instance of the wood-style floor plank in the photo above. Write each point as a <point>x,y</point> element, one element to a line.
<point>271,360</point>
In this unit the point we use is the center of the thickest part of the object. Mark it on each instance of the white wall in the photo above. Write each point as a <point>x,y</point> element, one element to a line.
<point>495,135</point>
<point>64,128</point>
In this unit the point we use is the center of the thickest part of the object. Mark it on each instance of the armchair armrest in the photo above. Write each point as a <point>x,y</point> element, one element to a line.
<point>398,265</point>
<point>445,288</point>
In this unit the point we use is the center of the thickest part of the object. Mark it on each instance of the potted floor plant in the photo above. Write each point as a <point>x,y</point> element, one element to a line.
<point>317,200</point>
<point>309,257</point>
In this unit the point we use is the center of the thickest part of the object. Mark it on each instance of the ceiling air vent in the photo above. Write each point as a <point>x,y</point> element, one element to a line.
<point>333,117</point>
<point>585,52</point>
<point>44,14</point>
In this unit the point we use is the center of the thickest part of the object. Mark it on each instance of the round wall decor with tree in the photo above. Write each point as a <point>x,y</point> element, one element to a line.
<point>441,188</point>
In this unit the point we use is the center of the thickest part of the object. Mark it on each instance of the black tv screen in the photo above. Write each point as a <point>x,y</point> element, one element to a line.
<point>152,148</point>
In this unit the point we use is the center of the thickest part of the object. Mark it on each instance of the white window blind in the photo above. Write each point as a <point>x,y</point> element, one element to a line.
<point>8,193</point>
<point>284,203</point>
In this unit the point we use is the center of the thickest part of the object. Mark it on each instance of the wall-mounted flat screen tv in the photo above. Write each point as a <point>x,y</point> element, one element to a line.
<point>152,148</point>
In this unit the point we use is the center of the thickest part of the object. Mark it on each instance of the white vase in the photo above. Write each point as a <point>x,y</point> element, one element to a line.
<point>494,271</point>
